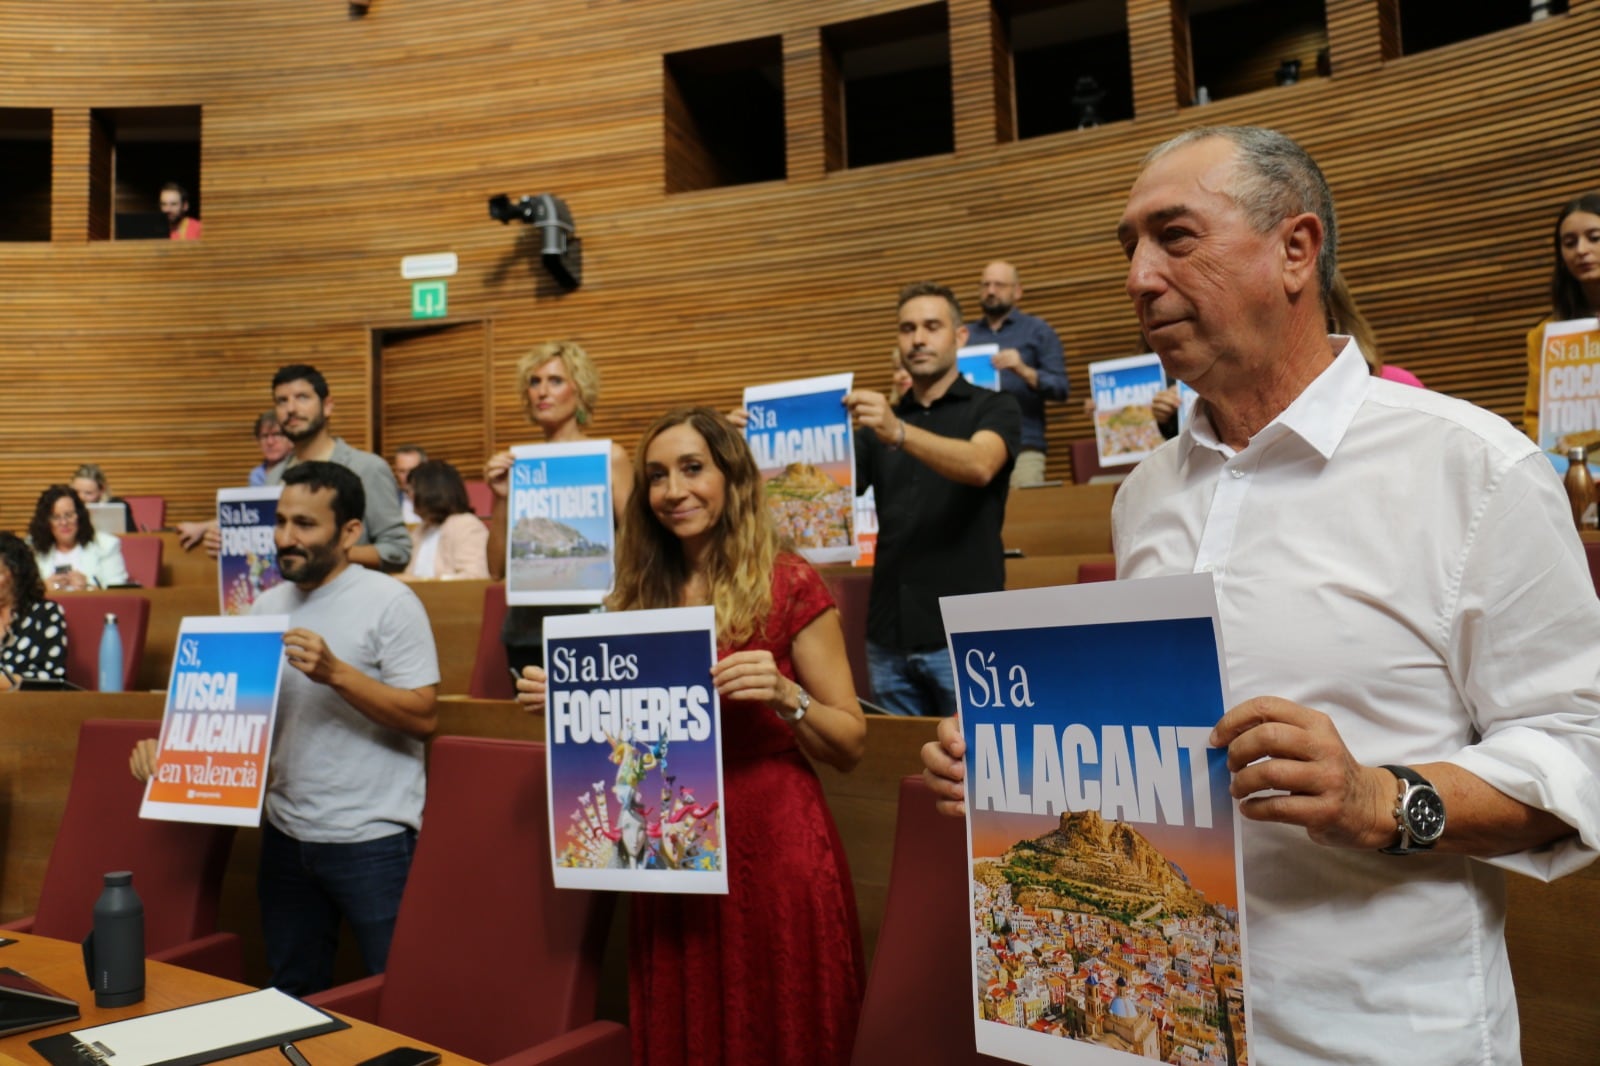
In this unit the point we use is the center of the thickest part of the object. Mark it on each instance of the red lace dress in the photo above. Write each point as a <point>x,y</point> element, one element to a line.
<point>771,972</point>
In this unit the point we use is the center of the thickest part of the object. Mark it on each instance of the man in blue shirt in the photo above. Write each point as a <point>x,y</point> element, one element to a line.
<point>1031,363</point>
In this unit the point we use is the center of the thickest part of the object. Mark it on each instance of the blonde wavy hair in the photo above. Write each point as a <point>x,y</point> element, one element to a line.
<point>651,568</point>
<point>580,371</point>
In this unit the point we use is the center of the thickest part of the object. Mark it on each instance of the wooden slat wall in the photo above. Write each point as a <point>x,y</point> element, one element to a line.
<point>336,145</point>
<point>432,385</point>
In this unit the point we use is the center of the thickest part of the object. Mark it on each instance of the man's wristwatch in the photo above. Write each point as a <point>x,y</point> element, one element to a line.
<point>804,701</point>
<point>1418,813</point>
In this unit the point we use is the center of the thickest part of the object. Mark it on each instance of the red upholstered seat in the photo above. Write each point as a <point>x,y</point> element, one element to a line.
<point>86,618</point>
<point>149,512</point>
<point>919,995</point>
<point>491,671</point>
<point>1096,571</point>
<point>177,866</point>
<point>142,553</point>
<point>489,960</point>
<point>481,497</point>
<point>850,589</point>
<point>1085,460</point>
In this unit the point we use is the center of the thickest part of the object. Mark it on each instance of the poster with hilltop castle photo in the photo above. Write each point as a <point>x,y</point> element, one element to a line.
<point>560,536</point>
<point>1105,874</point>
<point>799,433</point>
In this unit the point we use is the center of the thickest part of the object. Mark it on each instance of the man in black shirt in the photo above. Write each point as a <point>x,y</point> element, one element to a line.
<point>939,463</point>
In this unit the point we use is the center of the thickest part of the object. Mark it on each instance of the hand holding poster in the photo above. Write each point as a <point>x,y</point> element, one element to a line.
<point>634,741</point>
<point>1124,428</point>
<point>1105,872</point>
<point>560,537</point>
<point>976,363</point>
<point>799,433</point>
<point>1569,391</point>
<point>216,732</point>
<point>247,565</point>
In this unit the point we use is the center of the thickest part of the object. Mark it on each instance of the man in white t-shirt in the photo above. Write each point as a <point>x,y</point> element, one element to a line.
<point>1408,618</point>
<point>345,791</point>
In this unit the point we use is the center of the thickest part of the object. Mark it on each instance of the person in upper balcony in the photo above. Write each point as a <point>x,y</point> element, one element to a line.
<point>70,554</point>
<point>1032,365</point>
<point>174,201</point>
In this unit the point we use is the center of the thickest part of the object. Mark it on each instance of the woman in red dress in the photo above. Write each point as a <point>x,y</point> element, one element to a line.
<point>772,972</point>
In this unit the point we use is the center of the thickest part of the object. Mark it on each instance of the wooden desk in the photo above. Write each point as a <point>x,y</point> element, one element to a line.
<point>59,964</point>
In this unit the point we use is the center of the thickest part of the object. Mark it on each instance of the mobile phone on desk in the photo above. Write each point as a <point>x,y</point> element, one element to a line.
<point>403,1056</point>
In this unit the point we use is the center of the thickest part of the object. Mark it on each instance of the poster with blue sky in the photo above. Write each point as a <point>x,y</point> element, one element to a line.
<point>561,536</point>
<point>1105,875</point>
<point>634,741</point>
<point>247,565</point>
<point>799,433</point>
<point>216,731</point>
<point>1124,427</point>
<point>975,362</point>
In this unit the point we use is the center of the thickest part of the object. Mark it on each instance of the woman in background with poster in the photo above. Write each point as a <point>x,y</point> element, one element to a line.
<point>1574,288</point>
<point>773,971</point>
<point>560,387</point>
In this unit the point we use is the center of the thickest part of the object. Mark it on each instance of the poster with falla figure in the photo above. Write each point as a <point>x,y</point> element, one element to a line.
<point>247,562</point>
<point>799,434</point>
<point>634,741</point>
<point>1105,874</point>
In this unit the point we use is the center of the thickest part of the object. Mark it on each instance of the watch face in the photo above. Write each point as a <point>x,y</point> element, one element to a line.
<point>1424,815</point>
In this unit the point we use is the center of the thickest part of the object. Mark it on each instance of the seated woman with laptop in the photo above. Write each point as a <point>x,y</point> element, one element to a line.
<point>70,554</point>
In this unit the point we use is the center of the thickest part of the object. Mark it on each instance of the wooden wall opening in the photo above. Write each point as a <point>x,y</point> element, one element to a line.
<point>723,115</point>
<point>893,74</point>
<point>1053,44</point>
<point>25,177</point>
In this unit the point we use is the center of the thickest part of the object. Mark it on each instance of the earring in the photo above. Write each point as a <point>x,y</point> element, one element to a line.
<point>583,417</point>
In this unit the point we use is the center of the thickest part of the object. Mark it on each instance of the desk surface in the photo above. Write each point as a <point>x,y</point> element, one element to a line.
<point>59,964</point>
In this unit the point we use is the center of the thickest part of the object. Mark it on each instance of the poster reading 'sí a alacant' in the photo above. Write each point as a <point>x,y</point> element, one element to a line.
<point>799,433</point>
<point>216,733</point>
<point>633,736</point>
<point>560,537</point>
<point>247,565</point>
<point>1124,427</point>
<point>1107,925</point>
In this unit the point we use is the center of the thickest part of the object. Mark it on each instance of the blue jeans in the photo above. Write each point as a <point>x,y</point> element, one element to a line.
<point>305,888</point>
<point>912,683</point>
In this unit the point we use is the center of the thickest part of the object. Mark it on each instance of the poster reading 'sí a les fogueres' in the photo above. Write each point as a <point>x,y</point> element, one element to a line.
<point>1105,877</point>
<point>633,737</point>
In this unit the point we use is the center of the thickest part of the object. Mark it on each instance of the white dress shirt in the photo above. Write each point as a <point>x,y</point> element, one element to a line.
<point>1406,563</point>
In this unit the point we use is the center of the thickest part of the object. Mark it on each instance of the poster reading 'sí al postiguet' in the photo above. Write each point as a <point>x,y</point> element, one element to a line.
<point>1105,876</point>
<point>634,741</point>
<point>216,732</point>
<point>799,434</point>
<point>247,564</point>
<point>560,537</point>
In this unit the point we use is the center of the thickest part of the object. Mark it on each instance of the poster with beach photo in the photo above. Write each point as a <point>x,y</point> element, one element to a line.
<point>1125,428</point>
<point>560,539</point>
<point>247,563</point>
<point>1105,874</point>
<point>799,433</point>
<point>1569,391</point>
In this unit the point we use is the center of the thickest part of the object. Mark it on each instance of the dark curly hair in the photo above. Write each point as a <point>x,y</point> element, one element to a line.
<point>39,529</point>
<point>27,587</point>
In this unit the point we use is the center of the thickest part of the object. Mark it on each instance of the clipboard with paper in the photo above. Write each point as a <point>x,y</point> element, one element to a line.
<point>193,1035</point>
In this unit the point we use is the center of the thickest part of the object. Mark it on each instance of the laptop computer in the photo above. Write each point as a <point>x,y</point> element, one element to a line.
<point>108,517</point>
